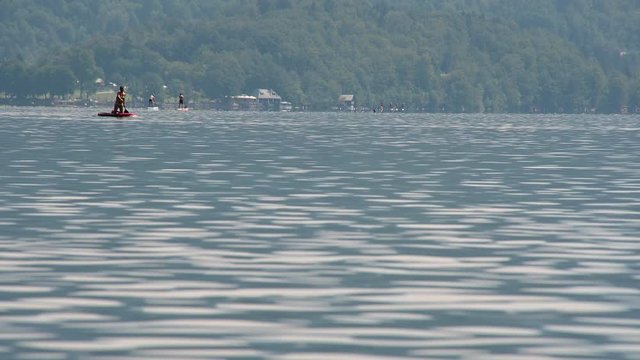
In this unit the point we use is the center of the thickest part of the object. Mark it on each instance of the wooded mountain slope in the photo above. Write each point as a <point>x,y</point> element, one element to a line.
<point>431,55</point>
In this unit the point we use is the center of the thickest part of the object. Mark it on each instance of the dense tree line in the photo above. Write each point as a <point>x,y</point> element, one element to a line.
<point>431,55</point>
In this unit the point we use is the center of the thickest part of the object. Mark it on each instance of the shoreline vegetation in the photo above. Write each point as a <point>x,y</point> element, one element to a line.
<point>435,56</point>
<point>82,103</point>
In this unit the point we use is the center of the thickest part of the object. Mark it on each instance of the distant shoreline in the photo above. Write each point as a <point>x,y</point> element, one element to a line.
<point>89,105</point>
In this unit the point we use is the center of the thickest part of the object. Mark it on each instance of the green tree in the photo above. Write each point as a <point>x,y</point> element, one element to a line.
<point>618,93</point>
<point>17,79</point>
<point>83,64</point>
<point>223,75</point>
<point>58,80</point>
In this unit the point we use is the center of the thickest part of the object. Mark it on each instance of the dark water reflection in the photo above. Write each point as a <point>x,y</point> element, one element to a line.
<point>208,235</point>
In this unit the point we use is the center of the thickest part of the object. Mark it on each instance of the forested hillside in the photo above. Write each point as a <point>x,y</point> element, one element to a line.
<point>430,55</point>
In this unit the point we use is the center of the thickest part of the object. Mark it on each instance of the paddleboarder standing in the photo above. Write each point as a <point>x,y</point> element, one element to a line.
<point>119,105</point>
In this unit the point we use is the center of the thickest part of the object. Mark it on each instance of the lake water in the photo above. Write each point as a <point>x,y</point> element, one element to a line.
<point>318,236</point>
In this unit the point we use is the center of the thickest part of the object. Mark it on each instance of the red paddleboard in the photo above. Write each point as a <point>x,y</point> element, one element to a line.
<point>117,114</point>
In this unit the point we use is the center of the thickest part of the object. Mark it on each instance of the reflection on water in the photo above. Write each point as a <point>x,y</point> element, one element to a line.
<point>215,235</point>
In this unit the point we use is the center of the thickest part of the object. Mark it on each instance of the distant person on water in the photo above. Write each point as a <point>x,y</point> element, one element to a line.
<point>152,101</point>
<point>181,101</point>
<point>119,105</point>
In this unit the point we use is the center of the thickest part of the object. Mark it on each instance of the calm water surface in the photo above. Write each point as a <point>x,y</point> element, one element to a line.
<point>318,236</point>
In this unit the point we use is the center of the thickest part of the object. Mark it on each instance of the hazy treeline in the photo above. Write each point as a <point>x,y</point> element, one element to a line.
<point>431,55</point>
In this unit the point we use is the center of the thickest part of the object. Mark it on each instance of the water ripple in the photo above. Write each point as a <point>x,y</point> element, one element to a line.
<point>208,235</point>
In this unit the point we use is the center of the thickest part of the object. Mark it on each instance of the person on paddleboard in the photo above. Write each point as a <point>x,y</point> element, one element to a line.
<point>152,101</point>
<point>119,105</point>
<point>181,101</point>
